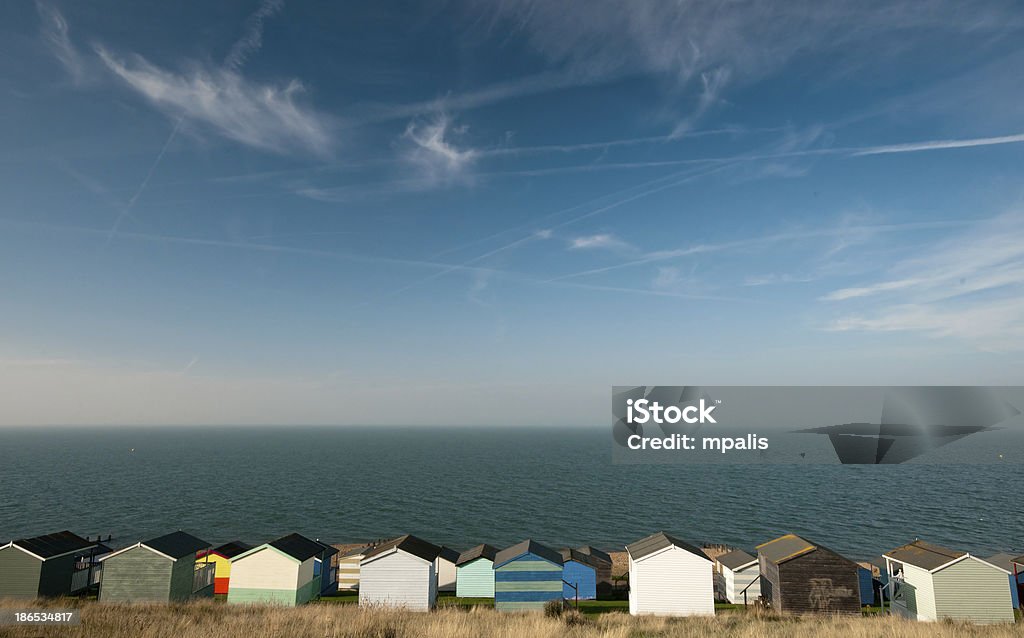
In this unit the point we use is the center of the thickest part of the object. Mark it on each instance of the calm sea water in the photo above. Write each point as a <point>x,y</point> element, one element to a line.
<point>463,486</point>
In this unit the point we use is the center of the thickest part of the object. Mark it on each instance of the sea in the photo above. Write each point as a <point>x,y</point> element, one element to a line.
<point>462,486</point>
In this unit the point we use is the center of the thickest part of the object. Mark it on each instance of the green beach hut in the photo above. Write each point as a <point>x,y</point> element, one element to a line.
<point>474,572</point>
<point>46,566</point>
<point>162,569</point>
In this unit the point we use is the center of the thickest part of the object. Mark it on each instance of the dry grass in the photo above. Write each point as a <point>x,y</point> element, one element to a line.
<point>215,620</point>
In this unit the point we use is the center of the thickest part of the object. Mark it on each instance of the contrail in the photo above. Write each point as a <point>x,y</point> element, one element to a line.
<point>245,46</point>
<point>684,176</point>
<point>252,40</point>
<point>142,186</point>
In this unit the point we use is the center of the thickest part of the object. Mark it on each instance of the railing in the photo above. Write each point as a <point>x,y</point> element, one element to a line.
<point>80,579</point>
<point>749,585</point>
<point>203,576</point>
<point>85,575</point>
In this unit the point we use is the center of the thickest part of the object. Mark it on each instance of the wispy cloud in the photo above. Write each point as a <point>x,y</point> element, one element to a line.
<point>262,116</point>
<point>970,286</point>
<point>713,83</point>
<point>742,41</point>
<point>55,33</point>
<point>774,279</point>
<point>769,238</point>
<point>475,98</point>
<point>252,38</point>
<point>600,241</point>
<point>431,147</point>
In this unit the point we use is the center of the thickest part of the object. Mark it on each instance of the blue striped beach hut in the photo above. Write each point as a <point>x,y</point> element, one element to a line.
<point>579,575</point>
<point>526,576</point>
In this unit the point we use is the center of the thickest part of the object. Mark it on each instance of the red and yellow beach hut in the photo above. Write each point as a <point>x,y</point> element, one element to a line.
<point>221,557</point>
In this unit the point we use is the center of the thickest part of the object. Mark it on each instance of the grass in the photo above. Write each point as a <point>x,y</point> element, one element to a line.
<point>329,619</point>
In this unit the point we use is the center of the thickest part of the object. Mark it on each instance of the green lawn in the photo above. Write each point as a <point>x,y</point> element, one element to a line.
<point>341,599</point>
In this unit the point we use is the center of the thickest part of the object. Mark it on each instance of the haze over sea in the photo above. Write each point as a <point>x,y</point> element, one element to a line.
<point>463,486</point>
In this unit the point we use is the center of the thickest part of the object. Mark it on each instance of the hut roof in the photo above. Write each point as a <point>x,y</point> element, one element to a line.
<point>448,554</point>
<point>232,549</point>
<point>176,544</point>
<point>659,541</point>
<point>409,544</point>
<point>329,550</point>
<point>52,545</point>
<point>569,554</point>
<point>924,555</point>
<point>480,551</point>
<point>785,548</point>
<point>527,546</point>
<point>356,551</point>
<point>736,558</point>
<point>1019,560</point>
<point>1002,559</point>
<point>298,546</point>
<point>596,553</point>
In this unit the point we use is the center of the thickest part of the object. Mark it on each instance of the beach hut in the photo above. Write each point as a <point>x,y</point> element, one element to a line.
<point>739,577</point>
<point>445,568</point>
<point>579,575</point>
<point>221,559</point>
<point>281,572</point>
<point>669,577</point>
<point>162,569</point>
<point>58,564</point>
<point>400,573</point>
<point>325,569</point>
<point>1016,577</point>
<point>803,577</point>
<point>866,582</point>
<point>474,572</point>
<point>931,583</point>
<point>604,569</point>
<point>526,576</point>
<point>348,569</point>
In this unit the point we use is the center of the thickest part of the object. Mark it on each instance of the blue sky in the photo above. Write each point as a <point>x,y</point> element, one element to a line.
<point>489,213</point>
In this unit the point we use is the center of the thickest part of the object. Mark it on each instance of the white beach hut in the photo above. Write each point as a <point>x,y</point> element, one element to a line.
<point>669,577</point>
<point>399,573</point>
<point>931,583</point>
<point>738,574</point>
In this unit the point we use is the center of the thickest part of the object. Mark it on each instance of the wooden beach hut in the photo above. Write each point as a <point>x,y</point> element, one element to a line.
<point>400,573</point>
<point>474,572</point>
<point>579,575</point>
<point>326,571</point>
<point>162,569</point>
<point>669,577</point>
<point>58,564</point>
<point>604,569</point>
<point>446,571</point>
<point>281,572</point>
<point>803,577</point>
<point>929,582</point>
<point>1016,577</point>
<point>526,576</point>
<point>348,569</point>
<point>738,577</point>
<point>221,558</point>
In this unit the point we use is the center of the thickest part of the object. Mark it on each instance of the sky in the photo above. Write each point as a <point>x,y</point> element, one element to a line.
<point>488,213</point>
